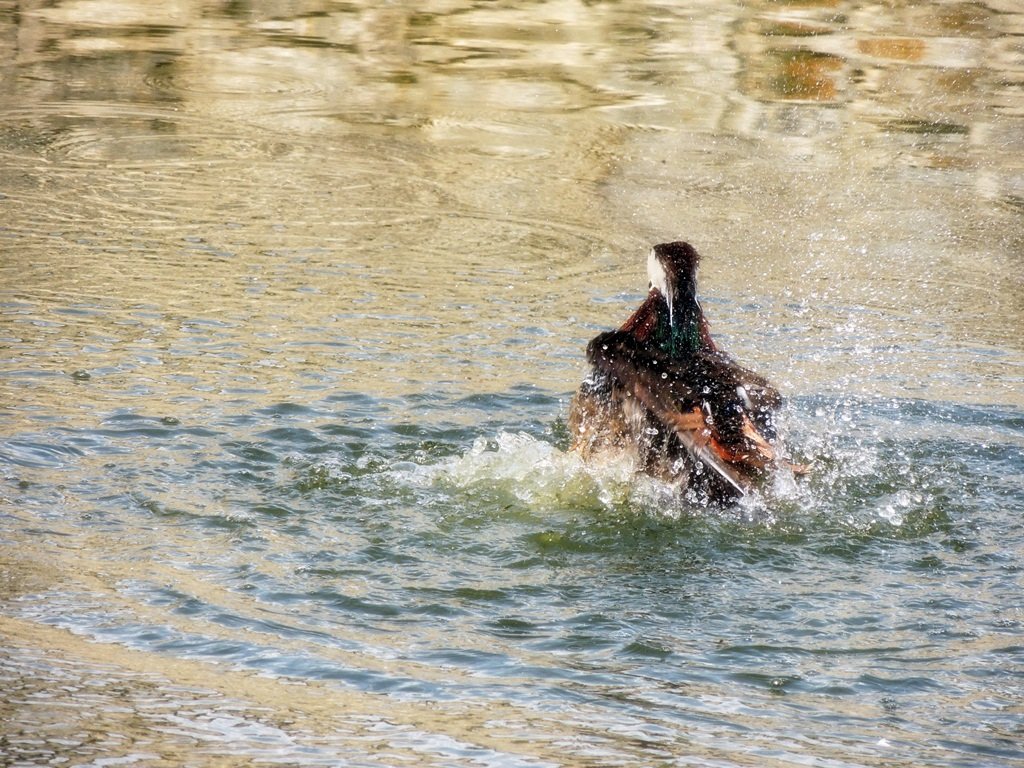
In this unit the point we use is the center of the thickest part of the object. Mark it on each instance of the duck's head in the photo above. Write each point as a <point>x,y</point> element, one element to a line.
<point>672,270</point>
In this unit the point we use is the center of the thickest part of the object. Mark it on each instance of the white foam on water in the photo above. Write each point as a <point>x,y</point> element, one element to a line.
<point>536,472</point>
<point>541,476</point>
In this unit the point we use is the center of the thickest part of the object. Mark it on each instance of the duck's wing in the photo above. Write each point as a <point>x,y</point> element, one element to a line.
<point>649,378</point>
<point>760,400</point>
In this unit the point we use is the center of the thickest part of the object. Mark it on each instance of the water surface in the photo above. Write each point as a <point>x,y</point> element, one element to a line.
<point>293,301</point>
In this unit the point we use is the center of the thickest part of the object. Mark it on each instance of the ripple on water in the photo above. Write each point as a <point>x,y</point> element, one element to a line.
<point>440,561</point>
<point>28,454</point>
<point>278,73</point>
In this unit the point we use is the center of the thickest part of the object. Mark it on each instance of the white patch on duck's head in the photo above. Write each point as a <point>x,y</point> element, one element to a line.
<point>659,279</point>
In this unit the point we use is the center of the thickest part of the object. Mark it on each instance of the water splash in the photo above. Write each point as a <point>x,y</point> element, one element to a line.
<point>879,468</point>
<point>536,473</point>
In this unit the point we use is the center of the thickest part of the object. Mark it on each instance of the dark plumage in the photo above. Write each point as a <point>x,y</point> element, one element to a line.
<point>661,388</point>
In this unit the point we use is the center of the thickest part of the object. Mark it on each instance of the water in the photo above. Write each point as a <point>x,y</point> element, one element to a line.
<point>294,299</point>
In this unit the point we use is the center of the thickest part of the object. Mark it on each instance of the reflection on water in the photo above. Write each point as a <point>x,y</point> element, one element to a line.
<point>293,298</point>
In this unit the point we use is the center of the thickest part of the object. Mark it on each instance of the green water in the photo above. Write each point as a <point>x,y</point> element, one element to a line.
<point>294,299</point>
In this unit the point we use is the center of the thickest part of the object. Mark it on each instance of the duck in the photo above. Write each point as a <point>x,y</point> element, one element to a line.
<point>662,391</point>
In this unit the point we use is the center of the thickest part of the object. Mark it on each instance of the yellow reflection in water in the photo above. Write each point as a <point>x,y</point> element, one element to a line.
<point>367,186</point>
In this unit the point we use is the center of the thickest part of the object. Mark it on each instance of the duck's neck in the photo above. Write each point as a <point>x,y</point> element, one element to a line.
<point>680,335</point>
